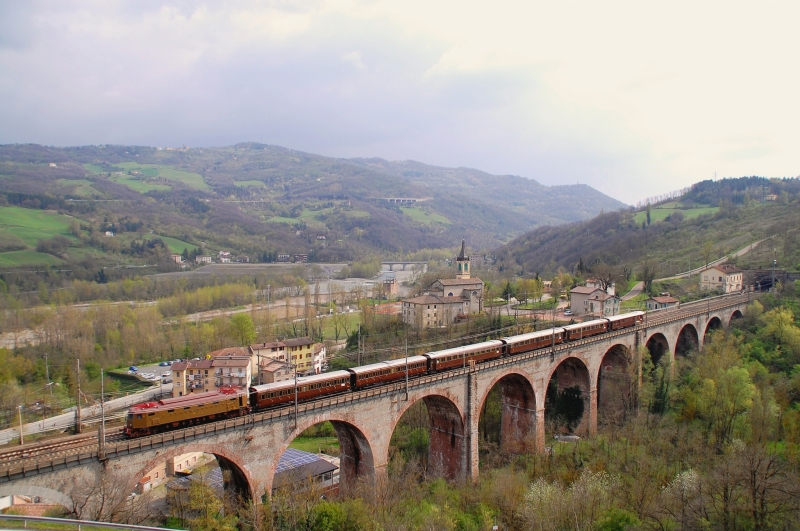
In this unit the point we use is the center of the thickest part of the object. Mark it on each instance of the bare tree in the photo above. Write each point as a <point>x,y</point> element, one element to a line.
<point>106,499</point>
<point>606,275</point>
<point>648,268</point>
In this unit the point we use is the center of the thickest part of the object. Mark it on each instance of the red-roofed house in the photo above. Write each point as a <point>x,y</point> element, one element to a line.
<point>585,300</point>
<point>725,278</point>
<point>659,303</point>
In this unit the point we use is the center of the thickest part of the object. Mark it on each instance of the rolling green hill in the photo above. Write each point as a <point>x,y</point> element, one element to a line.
<point>261,200</point>
<point>713,218</point>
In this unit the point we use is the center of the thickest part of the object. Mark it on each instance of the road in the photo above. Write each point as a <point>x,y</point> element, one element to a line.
<point>740,252</point>
<point>635,290</point>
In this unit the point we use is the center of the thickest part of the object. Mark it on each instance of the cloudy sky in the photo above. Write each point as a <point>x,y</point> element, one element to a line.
<point>634,98</point>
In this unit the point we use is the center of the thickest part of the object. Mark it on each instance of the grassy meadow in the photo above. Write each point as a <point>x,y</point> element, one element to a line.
<point>663,211</point>
<point>31,225</point>
<point>175,245</point>
<point>423,216</point>
<point>193,180</point>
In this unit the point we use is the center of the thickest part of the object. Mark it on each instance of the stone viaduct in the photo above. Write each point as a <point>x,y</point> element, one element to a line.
<point>250,447</point>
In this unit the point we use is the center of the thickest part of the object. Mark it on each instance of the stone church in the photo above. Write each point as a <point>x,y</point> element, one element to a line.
<point>448,299</point>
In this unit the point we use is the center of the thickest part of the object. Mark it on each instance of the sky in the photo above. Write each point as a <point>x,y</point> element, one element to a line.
<point>633,98</point>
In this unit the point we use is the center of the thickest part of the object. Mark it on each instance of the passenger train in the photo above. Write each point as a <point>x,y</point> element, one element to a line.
<point>173,413</point>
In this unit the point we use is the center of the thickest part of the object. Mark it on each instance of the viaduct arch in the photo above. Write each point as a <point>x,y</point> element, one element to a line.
<point>364,420</point>
<point>519,407</point>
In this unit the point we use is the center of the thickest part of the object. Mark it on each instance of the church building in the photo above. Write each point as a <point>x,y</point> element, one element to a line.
<point>447,299</point>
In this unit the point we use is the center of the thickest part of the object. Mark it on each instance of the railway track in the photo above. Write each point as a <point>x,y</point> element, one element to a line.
<point>58,447</point>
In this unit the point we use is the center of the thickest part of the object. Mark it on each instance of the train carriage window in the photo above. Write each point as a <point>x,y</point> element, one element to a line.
<point>150,414</point>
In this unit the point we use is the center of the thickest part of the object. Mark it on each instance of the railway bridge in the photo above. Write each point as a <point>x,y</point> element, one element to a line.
<point>250,447</point>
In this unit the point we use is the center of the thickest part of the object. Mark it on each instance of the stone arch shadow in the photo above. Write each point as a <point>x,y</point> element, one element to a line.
<point>688,339</point>
<point>658,345</point>
<point>232,465</point>
<point>614,391</point>
<point>356,457</point>
<point>34,490</point>
<point>518,421</point>
<point>568,402</point>
<point>715,323</point>
<point>735,315</point>
<point>448,442</point>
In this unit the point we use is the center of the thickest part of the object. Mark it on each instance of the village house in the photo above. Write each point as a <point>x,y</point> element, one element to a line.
<point>178,259</point>
<point>302,352</point>
<point>662,302</point>
<point>272,371</point>
<point>448,299</point>
<point>585,300</point>
<point>202,259</point>
<point>203,376</point>
<point>723,278</point>
<point>594,283</point>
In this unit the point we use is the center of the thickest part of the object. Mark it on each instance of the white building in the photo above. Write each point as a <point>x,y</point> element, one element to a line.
<point>724,278</point>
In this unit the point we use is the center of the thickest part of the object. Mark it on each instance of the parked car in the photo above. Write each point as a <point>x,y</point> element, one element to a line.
<point>163,364</point>
<point>567,312</point>
<point>166,374</point>
<point>133,368</point>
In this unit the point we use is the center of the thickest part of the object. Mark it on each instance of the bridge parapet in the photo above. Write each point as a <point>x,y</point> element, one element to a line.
<point>372,414</point>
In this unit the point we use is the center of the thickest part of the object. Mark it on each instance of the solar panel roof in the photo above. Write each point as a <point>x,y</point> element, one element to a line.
<point>292,458</point>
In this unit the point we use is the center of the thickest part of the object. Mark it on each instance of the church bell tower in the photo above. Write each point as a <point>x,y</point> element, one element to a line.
<point>463,263</point>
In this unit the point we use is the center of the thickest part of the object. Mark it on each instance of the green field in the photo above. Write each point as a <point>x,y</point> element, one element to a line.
<point>244,184</point>
<point>314,444</point>
<point>29,257</point>
<point>94,168</point>
<point>280,219</point>
<point>138,185</point>
<point>175,245</point>
<point>31,225</point>
<point>80,187</point>
<point>661,212</point>
<point>423,216</point>
<point>193,180</point>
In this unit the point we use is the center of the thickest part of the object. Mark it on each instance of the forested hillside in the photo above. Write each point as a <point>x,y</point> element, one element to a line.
<point>259,201</point>
<point>711,220</point>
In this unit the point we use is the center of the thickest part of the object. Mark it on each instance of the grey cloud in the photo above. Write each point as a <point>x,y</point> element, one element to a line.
<point>69,86</point>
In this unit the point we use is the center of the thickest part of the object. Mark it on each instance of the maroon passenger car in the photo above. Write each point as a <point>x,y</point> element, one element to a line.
<point>589,328</point>
<point>626,320</point>
<point>461,356</point>
<point>308,388</point>
<point>387,371</point>
<point>533,341</point>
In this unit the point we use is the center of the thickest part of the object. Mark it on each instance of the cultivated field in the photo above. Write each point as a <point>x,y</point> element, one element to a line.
<point>422,216</point>
<point>662,212</point>
<point>31,225</point>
